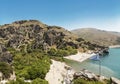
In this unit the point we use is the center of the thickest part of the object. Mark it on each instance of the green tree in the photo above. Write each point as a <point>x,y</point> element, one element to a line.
<point>18,81</point>
<point>39,81</point>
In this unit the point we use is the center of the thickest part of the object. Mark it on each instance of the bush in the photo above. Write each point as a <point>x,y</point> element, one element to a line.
<point>71,50</point>
<point>37,71</point>
<point>82,81</point>
<point>31,65</point>
<point>39,81</point>
<point>62,52</point>
<point>6,69</point>
<point>18,81</point>
<point>52,52</point>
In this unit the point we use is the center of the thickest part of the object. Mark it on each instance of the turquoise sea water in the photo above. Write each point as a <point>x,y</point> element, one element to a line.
<point>110,64</point>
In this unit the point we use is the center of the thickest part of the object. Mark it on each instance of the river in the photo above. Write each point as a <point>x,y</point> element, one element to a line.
<point>110,64</point>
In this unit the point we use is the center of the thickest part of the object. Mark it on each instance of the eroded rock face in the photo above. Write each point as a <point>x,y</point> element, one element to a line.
<point>23,32</point>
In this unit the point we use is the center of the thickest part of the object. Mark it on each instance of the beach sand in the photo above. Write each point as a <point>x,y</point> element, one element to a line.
<point>80,57</point>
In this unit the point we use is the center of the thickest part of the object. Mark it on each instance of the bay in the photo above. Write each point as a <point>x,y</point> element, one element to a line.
<point>110,64</point>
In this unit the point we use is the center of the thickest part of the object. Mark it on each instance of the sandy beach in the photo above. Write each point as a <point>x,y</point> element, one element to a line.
<point>80,57</point>
<point>114,46</point>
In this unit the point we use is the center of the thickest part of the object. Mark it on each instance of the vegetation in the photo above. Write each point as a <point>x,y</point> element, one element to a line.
<point>39,81</point>
<point>31,65</point>
<point>82,81</point>
<point>62,52</point>
<point>18,81</point>
<point>6,69</point>
<point>21,81</point>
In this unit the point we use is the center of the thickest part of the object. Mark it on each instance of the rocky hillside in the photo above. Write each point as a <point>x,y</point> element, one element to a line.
<point>20,33</point>
<point>99,37</point>
<point>36,35</point>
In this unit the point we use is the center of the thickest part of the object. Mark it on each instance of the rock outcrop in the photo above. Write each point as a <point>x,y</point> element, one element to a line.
<point>87,75</point>
<point>5,56</point>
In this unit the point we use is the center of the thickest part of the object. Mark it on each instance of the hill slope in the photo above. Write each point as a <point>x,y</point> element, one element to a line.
<point>99,37</point>
<point>36,35</point>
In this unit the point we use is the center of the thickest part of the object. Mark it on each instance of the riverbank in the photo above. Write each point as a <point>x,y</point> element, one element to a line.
<point>80,57</point>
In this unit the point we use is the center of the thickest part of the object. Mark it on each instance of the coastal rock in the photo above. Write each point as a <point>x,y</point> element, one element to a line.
<point>87,75</point>
<point>114,80</point>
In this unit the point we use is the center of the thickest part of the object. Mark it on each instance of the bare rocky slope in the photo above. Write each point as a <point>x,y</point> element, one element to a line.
<point>21,34</point>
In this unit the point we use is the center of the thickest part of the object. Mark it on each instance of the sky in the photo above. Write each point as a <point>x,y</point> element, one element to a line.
<point>70,14</point>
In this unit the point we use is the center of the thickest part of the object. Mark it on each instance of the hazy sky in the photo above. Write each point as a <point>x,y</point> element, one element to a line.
<point>70,14</point>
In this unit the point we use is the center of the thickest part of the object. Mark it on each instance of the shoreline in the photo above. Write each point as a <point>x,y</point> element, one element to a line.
<point>114,46</point>
<point>58,72</point>
<point>79,57</point>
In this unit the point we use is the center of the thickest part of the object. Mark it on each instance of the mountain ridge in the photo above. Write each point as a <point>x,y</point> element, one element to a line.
<point>97,36</point>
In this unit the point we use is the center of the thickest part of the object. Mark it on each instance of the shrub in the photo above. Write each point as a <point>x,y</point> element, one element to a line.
<point>18,81</point>
<point>31,65</point>
<point>39,81</point>
<point>82,81</point>
<point>6,69</point>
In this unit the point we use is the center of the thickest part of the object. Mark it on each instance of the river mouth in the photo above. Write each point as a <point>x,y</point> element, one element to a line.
<point>110,65</point>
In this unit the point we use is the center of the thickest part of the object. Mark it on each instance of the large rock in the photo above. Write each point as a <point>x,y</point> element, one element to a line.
<point>87,75</point>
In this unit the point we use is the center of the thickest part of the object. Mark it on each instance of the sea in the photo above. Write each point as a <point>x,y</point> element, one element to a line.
<point>109,65</point>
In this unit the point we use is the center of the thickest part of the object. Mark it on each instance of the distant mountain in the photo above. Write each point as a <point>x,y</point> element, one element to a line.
<point>100,37</point>
<point>116,33</point>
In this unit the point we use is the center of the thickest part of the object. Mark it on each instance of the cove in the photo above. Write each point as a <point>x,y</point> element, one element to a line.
<point>110,64</point>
